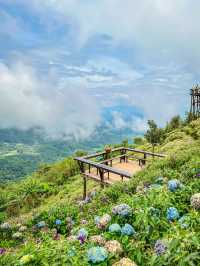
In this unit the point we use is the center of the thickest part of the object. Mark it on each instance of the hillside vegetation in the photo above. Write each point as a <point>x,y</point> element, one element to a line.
<point>153,219</point>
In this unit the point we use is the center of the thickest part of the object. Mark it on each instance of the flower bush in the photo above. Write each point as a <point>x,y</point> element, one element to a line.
<point>58,222</point>
<point>97,254</point>
<point>160,248</point>
<point>41,224</point>
<point>125,262</point>
<point>172,214</point>
<point>102,221</point>
<point>18,236</point>
<point>98,239</point>
<point>128,230</point>
<point>173,185</point>
<point>114,228</point>
<point>114,247</point>
<point>2,251</point>
<point>82,235</point>
<point>122,210</point>
<point>195,201</point>
<point>5,226</point>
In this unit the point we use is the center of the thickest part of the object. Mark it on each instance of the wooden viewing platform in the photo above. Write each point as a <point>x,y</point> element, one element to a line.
<point>119,164</point>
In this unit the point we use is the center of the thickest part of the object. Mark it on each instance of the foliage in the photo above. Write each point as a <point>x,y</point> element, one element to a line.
<point>149,239</point>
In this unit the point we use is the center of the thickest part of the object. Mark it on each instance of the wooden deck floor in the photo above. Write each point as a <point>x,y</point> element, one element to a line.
<point>132,167</point>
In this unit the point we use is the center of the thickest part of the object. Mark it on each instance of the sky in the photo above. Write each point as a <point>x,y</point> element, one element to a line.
<point>63,62</point>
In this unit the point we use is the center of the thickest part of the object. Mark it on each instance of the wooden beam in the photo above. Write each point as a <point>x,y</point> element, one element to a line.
<point>147,152</point>
<point>95,178</point>
<point>105,167</point>
<point>101,153</point>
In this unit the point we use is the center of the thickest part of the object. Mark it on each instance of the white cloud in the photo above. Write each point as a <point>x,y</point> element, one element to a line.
<point>27,101</point>
<point>158,27</point>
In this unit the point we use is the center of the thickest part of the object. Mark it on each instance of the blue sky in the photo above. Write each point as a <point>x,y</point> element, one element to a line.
<point>63,62</point>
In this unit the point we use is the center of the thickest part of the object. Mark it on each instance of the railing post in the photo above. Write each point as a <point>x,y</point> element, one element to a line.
<point>101,172</point>
<point>145,157</point>
<point>82,168</point>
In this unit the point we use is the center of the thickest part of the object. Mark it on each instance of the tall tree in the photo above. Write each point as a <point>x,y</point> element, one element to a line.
<point>153,134</point>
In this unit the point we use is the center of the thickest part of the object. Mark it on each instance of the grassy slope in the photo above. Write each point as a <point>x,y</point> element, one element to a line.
<point>60,201</point>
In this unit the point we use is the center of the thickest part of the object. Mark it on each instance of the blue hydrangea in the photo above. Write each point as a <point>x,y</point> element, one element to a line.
<point>173,185</point>
<point>41,224</point>
<point>97,254</point>
<point>160,248</point>
<point>115,228</point>
<point>97,219</point>
<point>123,210</point>
<point>184,221</point>
<point>58,222</point>
<point>172,214</point>
<point>128,230</point>
<point>71,252</point>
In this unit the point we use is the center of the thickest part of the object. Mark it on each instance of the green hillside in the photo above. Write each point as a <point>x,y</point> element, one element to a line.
<point>42,216</point>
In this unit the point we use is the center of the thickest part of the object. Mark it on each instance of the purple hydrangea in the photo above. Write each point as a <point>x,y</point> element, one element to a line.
<point>2,251</point>
<point>173,185</point>
<point>82,235</point>
<point>114,228</point>
<point>128,230</point>
<point>172,214</point>
<point>160,248</point>
<point>97,254</point>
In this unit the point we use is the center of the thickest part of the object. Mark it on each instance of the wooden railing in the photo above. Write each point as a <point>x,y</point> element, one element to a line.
<point>102,167</point>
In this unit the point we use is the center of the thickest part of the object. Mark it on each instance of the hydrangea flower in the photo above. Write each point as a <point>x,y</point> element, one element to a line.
<point>125,262</point>
<point>172,214</point>
<point>102,221</point>
<point>184,221</point>
<point>98,239</point>
<point>174,184</point>
<point>26,259</point>
<point>114,228</point>
<point>41,224</point>
<point>58,222</point>
<point>17,235</point>
<point>5,226</point>
<point>96,220</point>
<point>123,210</point>
<point>128,230</point>
<point>97,254</point>
<point>72,252</point>
<point>195,201</point>
<point>160,248</point>
<point>2,251</point>
<point>113,246</point>
<point>83,221</point>
<point>82,235</point>
<point>23,228</point>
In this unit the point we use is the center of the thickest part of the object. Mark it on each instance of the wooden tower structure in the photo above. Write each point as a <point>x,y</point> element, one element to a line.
<point>195,101</point>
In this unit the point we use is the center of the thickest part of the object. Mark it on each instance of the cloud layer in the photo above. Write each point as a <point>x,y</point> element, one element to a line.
<point>63,61</point>
<point>29,101</point>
